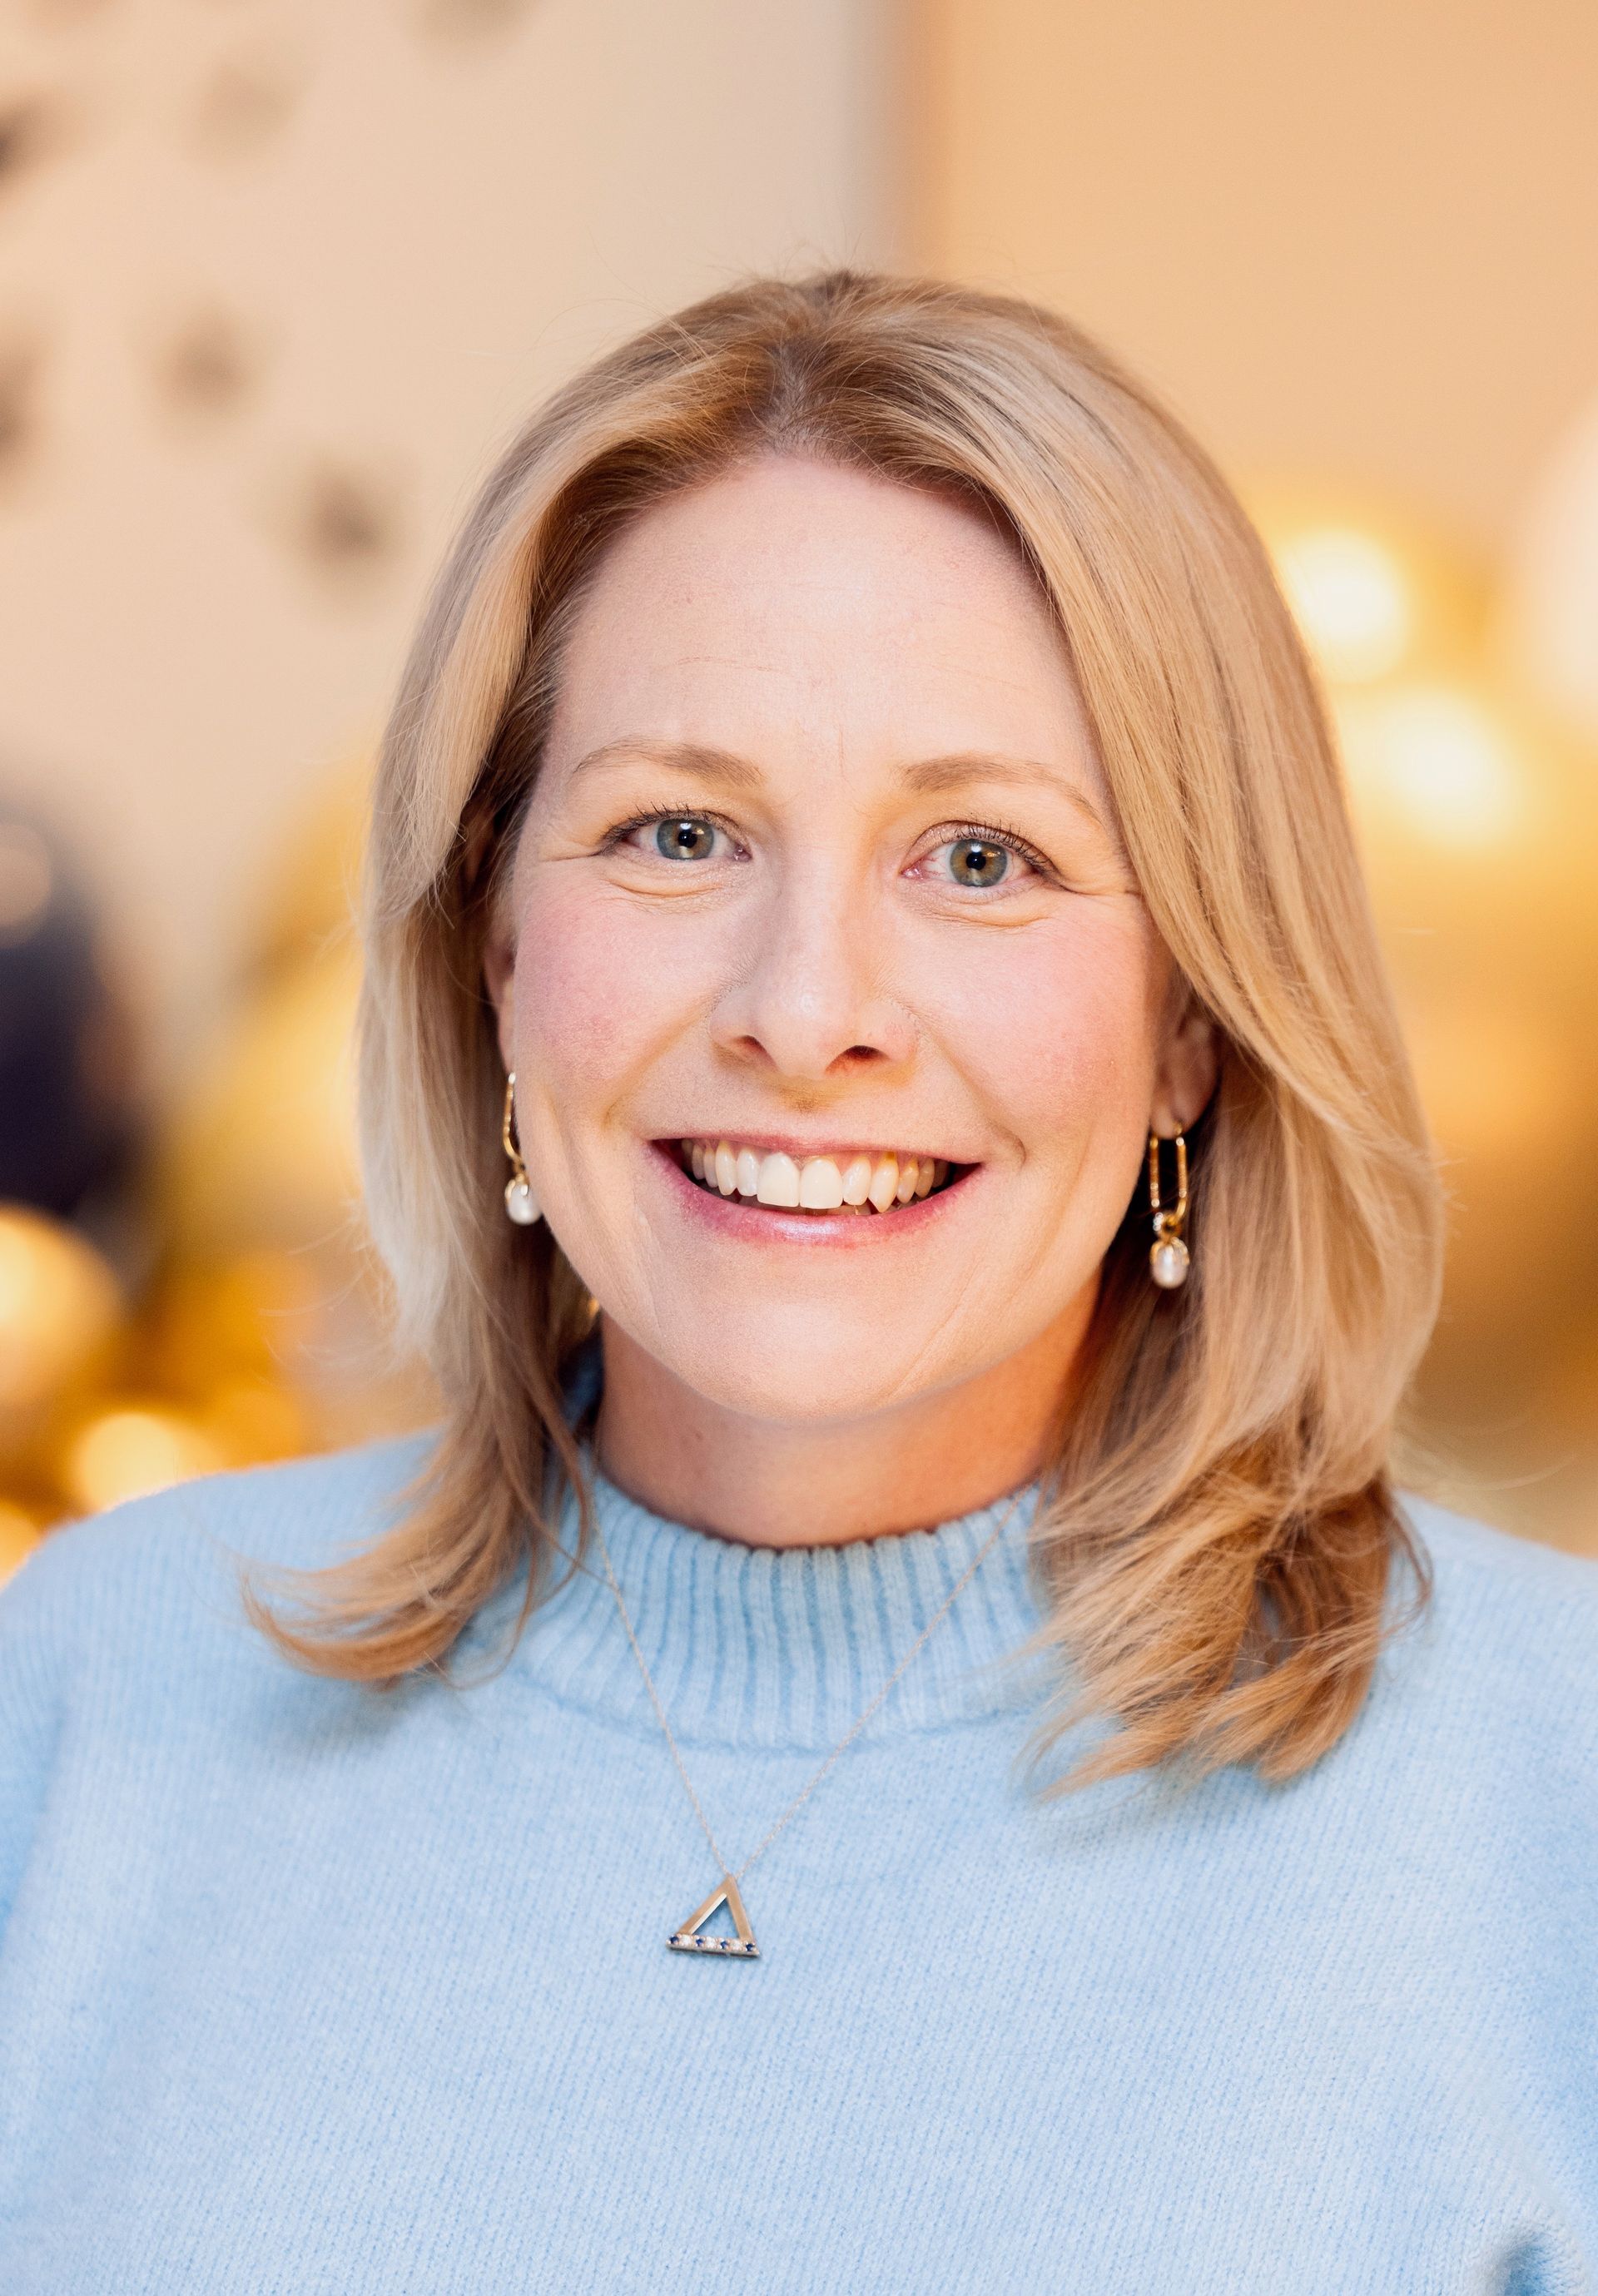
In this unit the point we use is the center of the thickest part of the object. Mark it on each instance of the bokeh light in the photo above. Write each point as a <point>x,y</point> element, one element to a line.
<point>19,1534</point>
<point>1547,623</point>
<point>1440,758</point>
<point>132,1449</point>
<point>1353,598</point>
<point>1376,593</point>
<point>61,1311</point>
<point>1477,816</point>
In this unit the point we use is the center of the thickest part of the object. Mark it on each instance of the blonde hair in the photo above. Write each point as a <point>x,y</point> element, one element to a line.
<point>1217,1532</point>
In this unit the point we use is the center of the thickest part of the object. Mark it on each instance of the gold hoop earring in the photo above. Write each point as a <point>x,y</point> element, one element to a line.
<point>1169,1260</point>
<point>521,1204</point>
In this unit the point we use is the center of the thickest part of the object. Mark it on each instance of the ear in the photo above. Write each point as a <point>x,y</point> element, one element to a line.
<point>1189,1064</point>
<point>499,979</point>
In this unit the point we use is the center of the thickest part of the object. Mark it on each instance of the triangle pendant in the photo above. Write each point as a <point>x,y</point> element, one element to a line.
<point>687,1939</point>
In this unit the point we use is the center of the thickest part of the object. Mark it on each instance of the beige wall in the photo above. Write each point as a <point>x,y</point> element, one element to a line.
<point>413,234</point>
<point>1359,239</point>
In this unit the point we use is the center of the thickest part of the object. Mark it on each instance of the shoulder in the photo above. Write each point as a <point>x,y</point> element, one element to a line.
<point>163,1570</point>
<point>1511,1627</point>
<point>125,1634</point>
<point>1519,1585</point>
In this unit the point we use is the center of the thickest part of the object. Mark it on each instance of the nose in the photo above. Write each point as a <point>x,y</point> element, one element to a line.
<point>812,1000</point>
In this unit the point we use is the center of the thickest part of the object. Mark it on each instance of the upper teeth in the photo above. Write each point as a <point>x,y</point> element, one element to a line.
<point>820,1184</point>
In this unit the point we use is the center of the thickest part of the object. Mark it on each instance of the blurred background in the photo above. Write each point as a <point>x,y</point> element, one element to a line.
<point>276,281</point>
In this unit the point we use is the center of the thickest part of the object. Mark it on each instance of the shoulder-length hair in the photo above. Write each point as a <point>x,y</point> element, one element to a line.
<point>1217,1533</point>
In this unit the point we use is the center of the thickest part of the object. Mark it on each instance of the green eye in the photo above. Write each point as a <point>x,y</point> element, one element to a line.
<point>685,838</point>
<point>973,861</point>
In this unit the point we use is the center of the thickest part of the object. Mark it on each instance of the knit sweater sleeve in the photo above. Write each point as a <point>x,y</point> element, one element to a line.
<point>40,1620</point>
<point>134,1615</point>
<point>100,1614</point>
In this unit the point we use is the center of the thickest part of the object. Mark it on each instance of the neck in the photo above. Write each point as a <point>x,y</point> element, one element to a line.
<point>786,1483</point>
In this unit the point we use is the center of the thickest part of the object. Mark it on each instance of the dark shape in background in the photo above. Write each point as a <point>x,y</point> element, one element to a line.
<point>343,520</point>
<point>67,1130</point>
<point>207,362</point>
<point>246,99</point>
<point>469,19</point>
<point>32,129</point>
<point>21,364</point>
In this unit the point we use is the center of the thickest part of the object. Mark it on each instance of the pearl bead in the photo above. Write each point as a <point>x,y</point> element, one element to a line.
<point>1167,1263</point>
<point>521,1204</point>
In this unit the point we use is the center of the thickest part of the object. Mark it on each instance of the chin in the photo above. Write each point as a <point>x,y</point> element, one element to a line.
<point>831,1398</point>
<point>802,1367</point>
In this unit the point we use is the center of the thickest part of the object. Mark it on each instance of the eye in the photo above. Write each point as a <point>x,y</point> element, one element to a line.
<point>981,856</point>
<point>674,836</point>
<point>685,836</point>
<point>977,861</point>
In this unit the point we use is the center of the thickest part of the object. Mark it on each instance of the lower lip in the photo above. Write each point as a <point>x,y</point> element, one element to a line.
<point>740,1219</point>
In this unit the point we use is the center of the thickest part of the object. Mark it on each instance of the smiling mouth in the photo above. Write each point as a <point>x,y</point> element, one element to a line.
<point>863,1181</point>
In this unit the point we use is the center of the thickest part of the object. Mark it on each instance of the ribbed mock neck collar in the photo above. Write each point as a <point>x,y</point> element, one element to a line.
<point>783,1647</point>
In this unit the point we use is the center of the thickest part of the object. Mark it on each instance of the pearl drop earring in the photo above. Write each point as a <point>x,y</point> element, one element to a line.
<point>521,1204</point>
<point>1169,1260</point>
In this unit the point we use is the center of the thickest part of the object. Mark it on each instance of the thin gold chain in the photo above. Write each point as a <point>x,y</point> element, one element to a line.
<point>849,1736</point>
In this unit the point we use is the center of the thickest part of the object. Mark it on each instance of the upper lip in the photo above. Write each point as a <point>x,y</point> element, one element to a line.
<point>785,1144</point>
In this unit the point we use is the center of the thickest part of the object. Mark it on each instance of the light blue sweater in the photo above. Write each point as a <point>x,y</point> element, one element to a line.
<point>308,1988</point>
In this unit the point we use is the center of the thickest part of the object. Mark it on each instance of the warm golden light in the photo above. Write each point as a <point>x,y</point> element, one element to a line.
<point>125,1452</point>
<point>1376,593</point>
<point>1548,622</point>
<point>59,1306</point>
<point>18,1535</point>
<point>1498,1080</point>
<point>1438,758</point>
<point>1352,598</point>
<point>250,1421</point>
<point>261,1150</point>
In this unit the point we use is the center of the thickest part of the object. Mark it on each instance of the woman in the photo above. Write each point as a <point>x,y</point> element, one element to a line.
<point>859,875</point>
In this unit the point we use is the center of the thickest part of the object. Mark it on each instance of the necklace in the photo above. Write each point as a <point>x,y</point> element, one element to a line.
<point>689,1936</point>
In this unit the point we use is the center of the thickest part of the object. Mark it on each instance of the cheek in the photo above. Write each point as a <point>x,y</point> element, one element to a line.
<point>594,1001</point>
<point>1061,1029</point>
<point>573,1008</point>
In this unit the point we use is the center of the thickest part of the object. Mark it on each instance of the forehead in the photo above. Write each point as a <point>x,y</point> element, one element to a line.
<point>793,609</point>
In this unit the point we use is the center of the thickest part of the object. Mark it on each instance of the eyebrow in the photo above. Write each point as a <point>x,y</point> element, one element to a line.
<point>932,776</point>
<point>715,765</point>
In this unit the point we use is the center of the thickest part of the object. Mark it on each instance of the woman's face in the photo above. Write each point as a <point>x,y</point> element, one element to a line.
<point>821,876</point>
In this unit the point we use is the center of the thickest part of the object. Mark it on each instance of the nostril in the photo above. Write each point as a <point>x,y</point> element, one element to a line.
<point>750,1048</point>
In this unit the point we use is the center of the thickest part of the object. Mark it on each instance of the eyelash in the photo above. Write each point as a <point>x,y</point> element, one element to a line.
<point>996,832</point>
<point>657,813</point>
<point>983,833</point>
